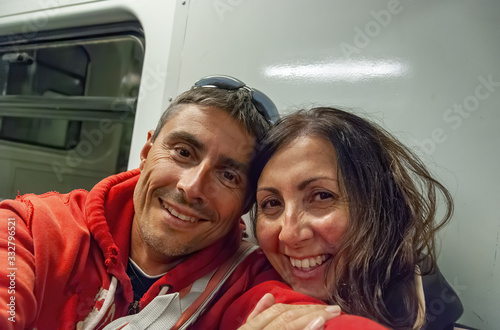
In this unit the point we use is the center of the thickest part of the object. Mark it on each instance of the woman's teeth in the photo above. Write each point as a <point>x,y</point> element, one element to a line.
<point>308,263</point>
<point>179,215</point>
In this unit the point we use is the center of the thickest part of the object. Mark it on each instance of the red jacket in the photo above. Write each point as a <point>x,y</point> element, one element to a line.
<point>62,255</point>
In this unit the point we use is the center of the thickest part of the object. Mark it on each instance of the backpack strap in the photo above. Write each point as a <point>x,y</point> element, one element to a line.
<point>173,311</point>
<point>197,308</point>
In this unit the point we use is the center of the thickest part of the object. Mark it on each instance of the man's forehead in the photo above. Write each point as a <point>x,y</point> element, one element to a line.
<point>194,113</point>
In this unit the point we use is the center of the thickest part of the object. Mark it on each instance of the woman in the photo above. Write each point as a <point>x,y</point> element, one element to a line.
<point>346,214</point>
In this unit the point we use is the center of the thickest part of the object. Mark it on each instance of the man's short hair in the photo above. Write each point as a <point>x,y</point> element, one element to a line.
<point>237,103</point>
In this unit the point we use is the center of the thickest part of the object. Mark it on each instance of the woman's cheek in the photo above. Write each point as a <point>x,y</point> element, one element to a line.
<point>261,231</point>
<point>267,233</point>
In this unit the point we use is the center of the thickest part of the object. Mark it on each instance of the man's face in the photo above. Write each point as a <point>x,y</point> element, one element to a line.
<point>193,182</point>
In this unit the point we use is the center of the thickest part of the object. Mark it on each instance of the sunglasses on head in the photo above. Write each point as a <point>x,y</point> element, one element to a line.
<point>261,101</point>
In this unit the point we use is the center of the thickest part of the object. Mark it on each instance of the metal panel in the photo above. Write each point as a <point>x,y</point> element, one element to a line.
<point>426,70</point>
<point>23,6</point>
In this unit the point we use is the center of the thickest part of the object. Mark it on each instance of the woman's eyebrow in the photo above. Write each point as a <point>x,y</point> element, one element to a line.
<point>300,186</point>
<point>271,189</point>
<point>305,183</point>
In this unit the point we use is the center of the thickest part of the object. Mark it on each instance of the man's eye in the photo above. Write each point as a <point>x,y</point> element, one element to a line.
<point>184,153</point>
<point>229,176</point>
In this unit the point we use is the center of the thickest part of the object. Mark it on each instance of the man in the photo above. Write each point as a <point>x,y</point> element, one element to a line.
<point>164,226</point>
<point>158,246</point>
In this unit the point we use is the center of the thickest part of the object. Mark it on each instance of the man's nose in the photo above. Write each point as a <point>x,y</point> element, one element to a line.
<point>195,183</point>
<point>295,227</point>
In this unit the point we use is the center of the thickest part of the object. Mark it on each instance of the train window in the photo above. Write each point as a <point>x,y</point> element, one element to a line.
<point>68,97</point>
<point>56,133</point>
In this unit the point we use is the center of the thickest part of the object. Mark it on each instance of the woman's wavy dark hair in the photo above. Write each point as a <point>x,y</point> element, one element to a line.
<point>393,201</point>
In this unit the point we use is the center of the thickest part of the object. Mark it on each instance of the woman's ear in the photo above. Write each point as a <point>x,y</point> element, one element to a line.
<point>146,148</point>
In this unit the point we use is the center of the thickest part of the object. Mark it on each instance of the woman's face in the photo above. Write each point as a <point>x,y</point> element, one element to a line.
<point>302,213</point>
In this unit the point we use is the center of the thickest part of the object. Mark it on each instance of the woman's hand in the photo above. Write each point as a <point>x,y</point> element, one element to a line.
<point>269,315</point>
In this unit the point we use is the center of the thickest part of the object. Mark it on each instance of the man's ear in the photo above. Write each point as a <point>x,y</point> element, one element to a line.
<point>146,148</point>
<point>243,225</point>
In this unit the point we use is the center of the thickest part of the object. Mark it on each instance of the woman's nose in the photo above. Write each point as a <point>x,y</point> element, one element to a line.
<point>295,227</point>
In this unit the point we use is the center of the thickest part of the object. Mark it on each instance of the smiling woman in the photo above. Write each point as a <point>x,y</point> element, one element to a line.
<point>353,219</point>
<point>310,205</point>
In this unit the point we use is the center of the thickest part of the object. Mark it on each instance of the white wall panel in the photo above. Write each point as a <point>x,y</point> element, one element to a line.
<point>409,70</point>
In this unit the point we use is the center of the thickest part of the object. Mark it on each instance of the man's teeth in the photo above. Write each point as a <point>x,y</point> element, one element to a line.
<point>179,215</point>
<point>308,262</point>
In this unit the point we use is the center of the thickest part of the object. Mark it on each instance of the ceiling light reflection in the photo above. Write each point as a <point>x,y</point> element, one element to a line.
<point>339,70</point>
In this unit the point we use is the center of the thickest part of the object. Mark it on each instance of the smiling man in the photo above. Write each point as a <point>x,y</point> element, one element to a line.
<point>170,229</point>
<point>192,186</point>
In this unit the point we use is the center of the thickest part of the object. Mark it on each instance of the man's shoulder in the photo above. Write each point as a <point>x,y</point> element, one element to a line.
<point>53,200</point>
<point>54,196</point>
<point>51,203</point>
<point>77,198</point>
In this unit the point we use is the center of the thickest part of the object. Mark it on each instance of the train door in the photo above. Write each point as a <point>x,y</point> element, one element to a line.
<point>67,106</point>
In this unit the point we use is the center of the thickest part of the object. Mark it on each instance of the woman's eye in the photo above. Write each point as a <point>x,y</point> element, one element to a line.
<point>323,195</point>
<point>270,203</point>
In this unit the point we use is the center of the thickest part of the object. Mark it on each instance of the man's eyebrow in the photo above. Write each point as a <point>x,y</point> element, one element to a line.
<point>233,163</point>
<point>188,138</point>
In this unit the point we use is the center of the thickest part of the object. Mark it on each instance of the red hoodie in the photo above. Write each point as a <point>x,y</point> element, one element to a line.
<point>64,258</point>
